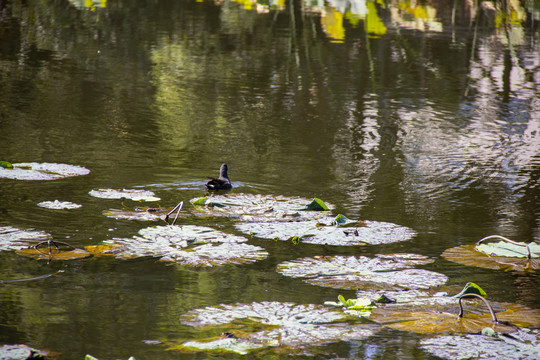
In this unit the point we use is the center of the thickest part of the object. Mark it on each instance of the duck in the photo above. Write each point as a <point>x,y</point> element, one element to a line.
<point>222,182</point>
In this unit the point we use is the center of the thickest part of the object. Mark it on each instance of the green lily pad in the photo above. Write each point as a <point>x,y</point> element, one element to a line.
<point>6,165</point>
<point>12,238</point>
<point>186,245</point>
<point>250,207</point>
<point>356,307</point>
<point>521,344</point>
<point>131,194</point>
<point>58,205</point>
<point>322,232</point>
<point>41,171</point>
<point>505,249</point>
<point>470,256</point>
<point>290,325</point>
<point>389,272</point>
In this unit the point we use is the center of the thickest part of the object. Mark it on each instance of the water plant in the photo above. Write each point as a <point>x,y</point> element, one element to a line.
<point>40,171</point>
<point>504,255</point>
<point>389,272</point>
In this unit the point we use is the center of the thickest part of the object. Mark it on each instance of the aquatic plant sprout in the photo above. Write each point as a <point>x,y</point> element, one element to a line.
<point>131,194</point>
<point>187,245</point>
<point>324,231</point>
<point>41,171</point>
<point>281,323</point>
<point>350,272</point>
<point>58,205</point>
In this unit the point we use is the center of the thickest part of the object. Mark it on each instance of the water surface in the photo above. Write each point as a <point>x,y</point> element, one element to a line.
<point>427,117</point>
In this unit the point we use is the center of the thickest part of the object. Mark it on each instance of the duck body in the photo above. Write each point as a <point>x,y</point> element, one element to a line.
<point>220,183</point>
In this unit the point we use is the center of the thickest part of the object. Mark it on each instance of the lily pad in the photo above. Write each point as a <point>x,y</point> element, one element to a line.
<point>418,298</point>
<point>250,207</point>
<point>272,324</point>
<point>444,319</point>
<point>187,245</point>
<point>12,238</point>
<point>470,256</point>
<point>41,171</point>
<point>222,344</point>
<point>20,352</point>
<point>138,214</point>
<point>132,194</point>
<point>511,250</point>
<point>349,272</point>
<point>522,344</point>
<point>322,232</point>
<point>58,205</point>
<point>54,254</point>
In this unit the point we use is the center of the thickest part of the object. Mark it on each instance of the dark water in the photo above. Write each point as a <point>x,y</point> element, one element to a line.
<point>426,119</point>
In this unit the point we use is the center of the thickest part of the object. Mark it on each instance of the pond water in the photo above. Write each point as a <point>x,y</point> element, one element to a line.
<point>423,116</point>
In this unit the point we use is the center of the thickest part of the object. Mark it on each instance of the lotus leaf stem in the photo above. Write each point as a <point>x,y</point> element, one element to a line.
<point>529,256</point>
<point>55,243</point>
<point>179,207</point>
<point>493,317</point>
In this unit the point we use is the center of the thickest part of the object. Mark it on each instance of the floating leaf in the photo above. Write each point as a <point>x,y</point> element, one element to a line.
<point>6,165</point>
<point>522,344</point>
<point>228,344</point>
<point>349,272</point>
<point>58,205</point>
<point>188,245</point>
<point>41,171</point>
<point>132,194</point>
<point>281,324</point>
<point>19,351</point>
<point>436,318</point>
<point>138,214</point>
<point>59,255</point>
<point>356,307</point>
<point>104,249</point>
<point>316,232</point>
<point>249,207</point>
<point>316,205</point>
<point>12,238</point>
<point>468,255</point>
<point>471,288</point>
<point>506,249</point>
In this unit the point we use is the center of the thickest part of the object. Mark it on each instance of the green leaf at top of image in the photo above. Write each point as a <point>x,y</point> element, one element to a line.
<point>471,288</point>
<point>316,205</point>
<point>6,165</point>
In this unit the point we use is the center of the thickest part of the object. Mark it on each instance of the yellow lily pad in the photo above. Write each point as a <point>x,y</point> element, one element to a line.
<point>468,255</point>
<point>55,254</point>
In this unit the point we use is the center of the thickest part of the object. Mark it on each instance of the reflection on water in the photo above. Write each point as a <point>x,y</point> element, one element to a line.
<point>425,115</point>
